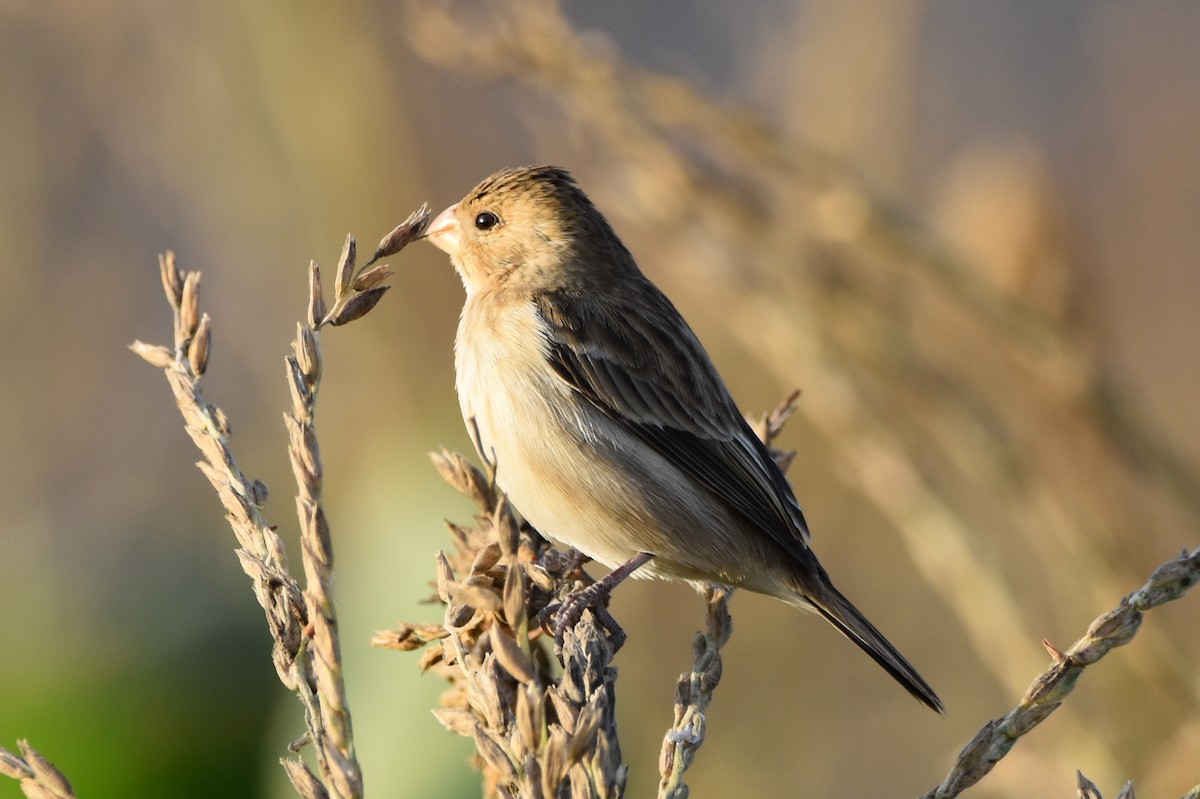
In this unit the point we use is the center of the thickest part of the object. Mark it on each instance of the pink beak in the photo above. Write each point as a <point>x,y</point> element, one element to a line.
<point>444,231</point>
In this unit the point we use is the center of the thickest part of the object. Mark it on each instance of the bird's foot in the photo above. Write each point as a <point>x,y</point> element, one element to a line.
<point>567,614</point>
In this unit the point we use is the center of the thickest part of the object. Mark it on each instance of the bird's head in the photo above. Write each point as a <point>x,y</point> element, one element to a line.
<point>528,228</point>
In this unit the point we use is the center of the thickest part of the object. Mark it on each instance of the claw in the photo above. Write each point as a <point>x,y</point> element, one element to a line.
<point>567,614</point>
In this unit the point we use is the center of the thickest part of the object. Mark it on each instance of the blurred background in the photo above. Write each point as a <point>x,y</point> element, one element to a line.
<point>967,231</point>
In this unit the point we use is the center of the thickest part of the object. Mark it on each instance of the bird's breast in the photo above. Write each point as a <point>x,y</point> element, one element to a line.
<point>553,452</point>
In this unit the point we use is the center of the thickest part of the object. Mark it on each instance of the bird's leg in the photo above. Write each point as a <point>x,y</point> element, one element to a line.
<point>572,608</point>
<point>574,560</point>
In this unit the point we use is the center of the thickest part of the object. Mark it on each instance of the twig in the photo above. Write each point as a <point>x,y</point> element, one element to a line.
<point>1168,582</point>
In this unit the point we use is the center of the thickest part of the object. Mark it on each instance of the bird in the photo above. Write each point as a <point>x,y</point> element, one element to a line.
<point>608,425</point>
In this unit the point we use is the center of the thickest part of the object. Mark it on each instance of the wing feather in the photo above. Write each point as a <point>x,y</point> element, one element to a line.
<point>647,371</point>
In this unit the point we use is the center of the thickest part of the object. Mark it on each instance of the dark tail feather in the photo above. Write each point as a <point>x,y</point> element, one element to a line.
<point>839,612</point>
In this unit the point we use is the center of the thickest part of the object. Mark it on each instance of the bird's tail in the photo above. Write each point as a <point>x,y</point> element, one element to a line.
<point>842,614</point>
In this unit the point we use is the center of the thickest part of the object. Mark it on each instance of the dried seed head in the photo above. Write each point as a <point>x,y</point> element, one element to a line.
<point>46,773</point>
<point>371,278</point>
<point>345,268</point>
<point>445,576</point>
<point>584,737</point>
<point>308,354</point>
<point>316,297</point>
<point>777,417</point>
<point>514,661</point>
<point>189,305</point>
<point>299,385</point>
<point>408,637</point>
<point>172,280</point>
<point>580,783</point>
<point>507,532</point>
<point>486,558</point>
<point>154,354</point>
<point>457,720</point>
<point>403,234</point>
<point>514,597</point>
<point>531,779</point>
<point>357,306</point>
<point>554,762</point>
<point>564,710</point>
<point>494,754</point>
<point>303,780</point>
<point>462,476</point>
<point>530,716</point>
<point>430,658</point>
<point>476,596</point>
<point>13,766</point>
<point>198,351</point>
<point>539,576</point>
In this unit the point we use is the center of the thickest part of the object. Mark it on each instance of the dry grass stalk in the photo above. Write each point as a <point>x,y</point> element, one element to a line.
<point>538,736</point>
<point>38,776</point>
<point>302,620</point>
<point>694,690</point>
<point>1168,582</point>
<point>693,693</point>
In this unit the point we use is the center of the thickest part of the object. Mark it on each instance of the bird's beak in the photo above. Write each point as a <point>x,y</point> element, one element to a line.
<point>444,231</point>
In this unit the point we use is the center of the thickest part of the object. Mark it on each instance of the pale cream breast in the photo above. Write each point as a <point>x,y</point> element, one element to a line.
<point>529,421</point>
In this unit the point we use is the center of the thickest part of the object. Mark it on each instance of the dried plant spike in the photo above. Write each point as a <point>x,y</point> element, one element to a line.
<point>1085,787</point>
<point>345,267</point>
<point>154,354</point>
<point>460,722</point>
<point>189,310</point>
<point>370,278</point>
<point>511,658</point>
<point>1048,690</point>
<point>172,280</point>
<point>50,782</point>
<point>303,780</point>
<point>781,413</point>
<point>308,354</point>
<point>403,234</point>
<point>357,306</point>
<point>462,476</point>
<point>13,766</point>
<point>316,297</point>
<point>492,751</point>
<point>198,351</point>
<point>302,621</point>
<point>507,531</point>
<point>514,598</point>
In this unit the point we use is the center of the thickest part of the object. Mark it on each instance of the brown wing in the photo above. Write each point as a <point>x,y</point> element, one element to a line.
<point>646,370</point>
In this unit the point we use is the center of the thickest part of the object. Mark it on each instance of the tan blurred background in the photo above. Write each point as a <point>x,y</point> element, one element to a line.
<point>968,231</point>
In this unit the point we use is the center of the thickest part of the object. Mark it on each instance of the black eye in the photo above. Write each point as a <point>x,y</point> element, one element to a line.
<point>486,220</point>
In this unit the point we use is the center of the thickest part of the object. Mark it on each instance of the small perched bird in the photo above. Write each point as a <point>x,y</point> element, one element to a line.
<point>610,428</point>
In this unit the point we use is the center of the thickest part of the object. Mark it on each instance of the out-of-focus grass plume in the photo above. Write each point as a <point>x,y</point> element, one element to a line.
<point>965,231</point>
